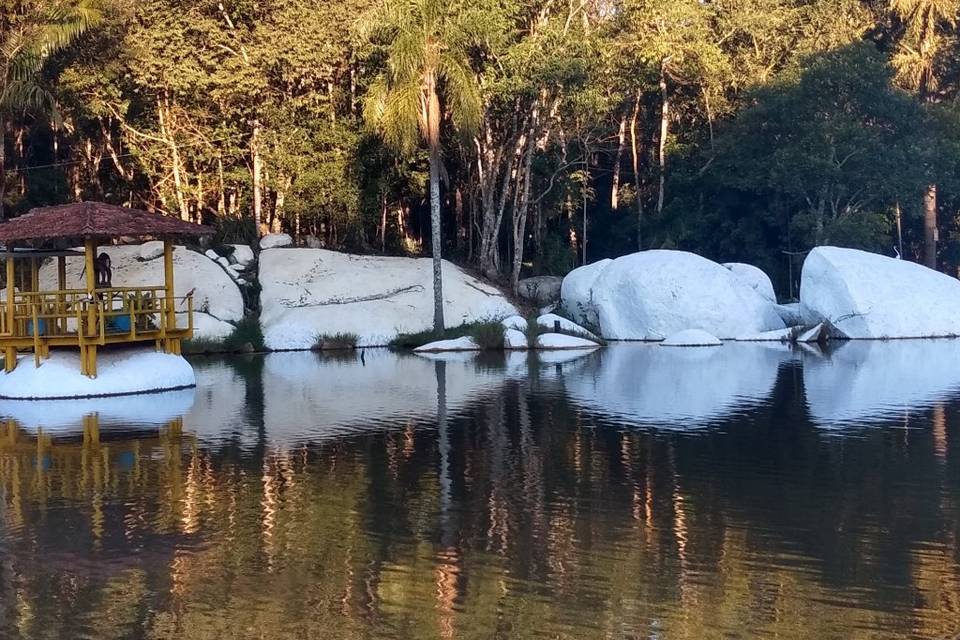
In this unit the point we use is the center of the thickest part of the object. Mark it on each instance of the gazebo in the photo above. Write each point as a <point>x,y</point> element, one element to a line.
<point>92,316</point>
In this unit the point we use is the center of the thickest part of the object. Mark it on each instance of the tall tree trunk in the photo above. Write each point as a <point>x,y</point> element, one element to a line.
<point>664,132</point>
<point>635,157</point>
<point>167,132</point>
<point>3,168</point>
<point>257,170</point>
<point>520,214</point>
<point>433,133</point>
<point>615,188</point>
<point>930,227</point>
<point>383,223</point>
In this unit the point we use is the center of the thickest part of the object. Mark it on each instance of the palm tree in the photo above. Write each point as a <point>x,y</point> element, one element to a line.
<point>29,36</point>
<point>426,46</point>
<point>915,60</point>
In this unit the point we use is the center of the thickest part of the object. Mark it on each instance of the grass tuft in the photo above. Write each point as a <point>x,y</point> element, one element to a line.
<point>488,334</point>
<point>336,341</point>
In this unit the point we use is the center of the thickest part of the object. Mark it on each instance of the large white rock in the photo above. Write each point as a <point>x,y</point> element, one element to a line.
<point>119,371</point>
<point>242,253</point>
<point>653,294</point>
<point>275,241</point>
<point>691,338</point>
<point>310,292</point>
<point>576,292</point>
<point>215,293</point>
<point>755,277</point>
<point>865,295</point>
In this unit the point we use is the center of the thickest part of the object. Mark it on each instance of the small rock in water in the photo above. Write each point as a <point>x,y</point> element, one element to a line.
<point>549,341</point>
<point>814,334</point>
<point>466,343</point>
<point>551,321</point>
<point>692,338</point>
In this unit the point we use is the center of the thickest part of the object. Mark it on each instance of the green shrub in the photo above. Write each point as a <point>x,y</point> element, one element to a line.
<point>487,335</point>
<point>247,332</point>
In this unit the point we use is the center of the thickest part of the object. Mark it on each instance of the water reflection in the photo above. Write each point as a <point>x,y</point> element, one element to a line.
<point>868,381</point>
<point>646,384</point>
<point>401,497</point>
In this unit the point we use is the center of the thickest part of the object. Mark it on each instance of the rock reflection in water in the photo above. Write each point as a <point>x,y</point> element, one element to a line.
<point>464,500</point>
<point>860,382</point>
<point>646,384</point>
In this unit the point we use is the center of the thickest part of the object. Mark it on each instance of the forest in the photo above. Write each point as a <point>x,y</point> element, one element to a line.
<point>554,132</point>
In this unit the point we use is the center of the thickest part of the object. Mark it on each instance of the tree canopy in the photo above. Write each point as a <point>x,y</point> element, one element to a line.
<point>567,132</point>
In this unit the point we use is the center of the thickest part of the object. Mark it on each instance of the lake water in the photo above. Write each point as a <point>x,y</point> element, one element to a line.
<point>637,492</point>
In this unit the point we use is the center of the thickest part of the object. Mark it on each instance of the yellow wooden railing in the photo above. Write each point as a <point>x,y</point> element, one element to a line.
<point>120,313</point>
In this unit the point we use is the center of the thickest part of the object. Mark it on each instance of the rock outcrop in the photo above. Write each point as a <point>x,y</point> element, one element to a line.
<point>866,295</point>
<point>310,292</point>
<point>653,294</point>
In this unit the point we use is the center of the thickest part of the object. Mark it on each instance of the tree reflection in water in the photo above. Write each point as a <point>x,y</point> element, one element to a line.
<point>505,506</point>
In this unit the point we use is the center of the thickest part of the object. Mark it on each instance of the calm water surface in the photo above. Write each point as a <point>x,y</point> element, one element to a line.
<point>638,492</point>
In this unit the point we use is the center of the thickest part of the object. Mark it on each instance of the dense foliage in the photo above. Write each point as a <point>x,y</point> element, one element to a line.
<point>569,131</point>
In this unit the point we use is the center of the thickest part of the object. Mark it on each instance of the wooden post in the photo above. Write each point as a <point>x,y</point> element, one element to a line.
<point>88,355</point>
<point>170,310</point>
<point>61,286</point>
<point>34,275</point>
<point>10,353</point>
<point>10,291</point>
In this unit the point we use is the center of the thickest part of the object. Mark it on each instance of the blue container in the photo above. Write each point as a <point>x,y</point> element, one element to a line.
<point>120,323</point>
<point>41,326</point>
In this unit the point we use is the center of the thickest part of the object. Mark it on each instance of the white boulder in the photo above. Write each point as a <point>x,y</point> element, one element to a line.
<point>563,341</point>
<point>691,338</point>
<point>223,262</point>
<point>550,321</point>
<point>242,253</point>
<point>653,294</point>
<point>755,277</point>
<point>514,340</point>
<point>213,255</point>
<point>518,323</point>
<point>275,241</point>
<point>151,250</point>
<point>214,292</point>
<point>118,372</point>
<point>576,292</point>
<point>465,343</point>
<point>865,295</point>
<point>310,292</point>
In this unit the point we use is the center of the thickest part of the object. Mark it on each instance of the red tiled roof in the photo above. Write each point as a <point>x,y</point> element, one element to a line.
<point>93,220</point>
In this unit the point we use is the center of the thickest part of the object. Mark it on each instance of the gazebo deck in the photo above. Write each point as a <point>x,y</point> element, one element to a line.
<point>95,316</point>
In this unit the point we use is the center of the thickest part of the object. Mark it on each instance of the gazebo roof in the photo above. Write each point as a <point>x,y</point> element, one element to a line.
<point>93,221</point>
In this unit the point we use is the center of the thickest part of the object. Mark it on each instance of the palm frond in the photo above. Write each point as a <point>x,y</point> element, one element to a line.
<point>29,97</point>
<point>461,92</point>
